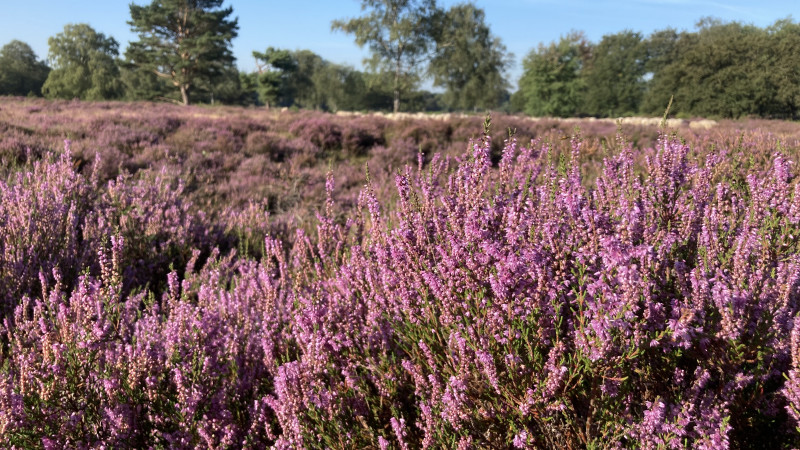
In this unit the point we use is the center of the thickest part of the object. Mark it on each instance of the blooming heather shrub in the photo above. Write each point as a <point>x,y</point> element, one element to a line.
<point>361,135</point>
<point>54,219</point>
<point>65,370</point>
<point>324,133</point>
<point>199,135</point>
<point>160,124</point>
<point>260,142</point>
<point>125,138</point>
<point>426,136</point>
<point>563,294</point>
<point>156,156</point>
<point>400,154</point>
<point>248,226</point>
<point>18,145</point>
<point>42,210</point>
<point>158,225</point>
<point>645,313</point>
<point>299,151</point>
<point>220,134</point>
<point>92,368</point>
<point>491,307</point>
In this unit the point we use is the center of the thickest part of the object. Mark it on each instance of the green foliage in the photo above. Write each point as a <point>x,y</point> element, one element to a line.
<point>303,79</point>
<point>373,91</point>
<point>717,71</point>
<point>249,85</point>
<point>312,80</point>
<point>397,33</point>
<point>140,84</point>
<point>552,82</point>
<point>469,61</point>
<point>187,43</point>
<point>275,69</point>
<point>784,73</point>
<point>662,48</point>
<point>21,72</point>
<point>465,58</point>
<point>84,65</point>
<point>226,89</point>
<point>614,79</point>
<point>726,70</point>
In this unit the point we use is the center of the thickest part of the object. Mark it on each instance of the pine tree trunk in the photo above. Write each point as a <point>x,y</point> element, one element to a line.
<point>185,95</point>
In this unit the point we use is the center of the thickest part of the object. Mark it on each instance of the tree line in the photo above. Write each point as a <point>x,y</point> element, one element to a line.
<point>727,70</point>
<point>183,54</point>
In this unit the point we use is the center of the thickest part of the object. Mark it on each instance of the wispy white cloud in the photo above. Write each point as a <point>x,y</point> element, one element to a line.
<point>739,9</point>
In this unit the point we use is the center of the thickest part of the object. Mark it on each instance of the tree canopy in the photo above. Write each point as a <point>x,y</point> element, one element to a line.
<point>552,82</point>
<point>468,61</point>
<point>84,65</point>
<point>21,72</point>
<point>303,79</point>
<point>722,69</point>
<point>276,68</point>
<point>397,33</point>
<point>732,70</point>
<point>187,42</point>
<point>615,75</point>
<point>183,54</point>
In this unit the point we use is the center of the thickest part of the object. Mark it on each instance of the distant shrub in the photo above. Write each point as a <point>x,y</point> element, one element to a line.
<point>361,135</point>
<point>401,153</point>
<point>260,142</point>
<point>427,135</point>
<point>324,133</point>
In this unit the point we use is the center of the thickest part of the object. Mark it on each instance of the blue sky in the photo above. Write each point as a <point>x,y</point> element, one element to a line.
<point>305,24</point>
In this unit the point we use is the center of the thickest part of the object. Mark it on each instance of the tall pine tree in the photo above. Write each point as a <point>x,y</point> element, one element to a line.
<point>187,42</point>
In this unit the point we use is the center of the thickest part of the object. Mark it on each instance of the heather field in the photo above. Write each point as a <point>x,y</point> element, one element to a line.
<point>196,277</point>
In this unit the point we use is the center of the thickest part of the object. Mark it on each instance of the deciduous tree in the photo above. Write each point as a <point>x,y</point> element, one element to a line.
<point>784,73</point>
<point>84,65</point>
<point>662,48</point>
<point>720,71</point>
<point>21,72</point>
<point>398,35</point>
<point>468,61</point>
<point>552,83</point>
<point>615,76</point>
